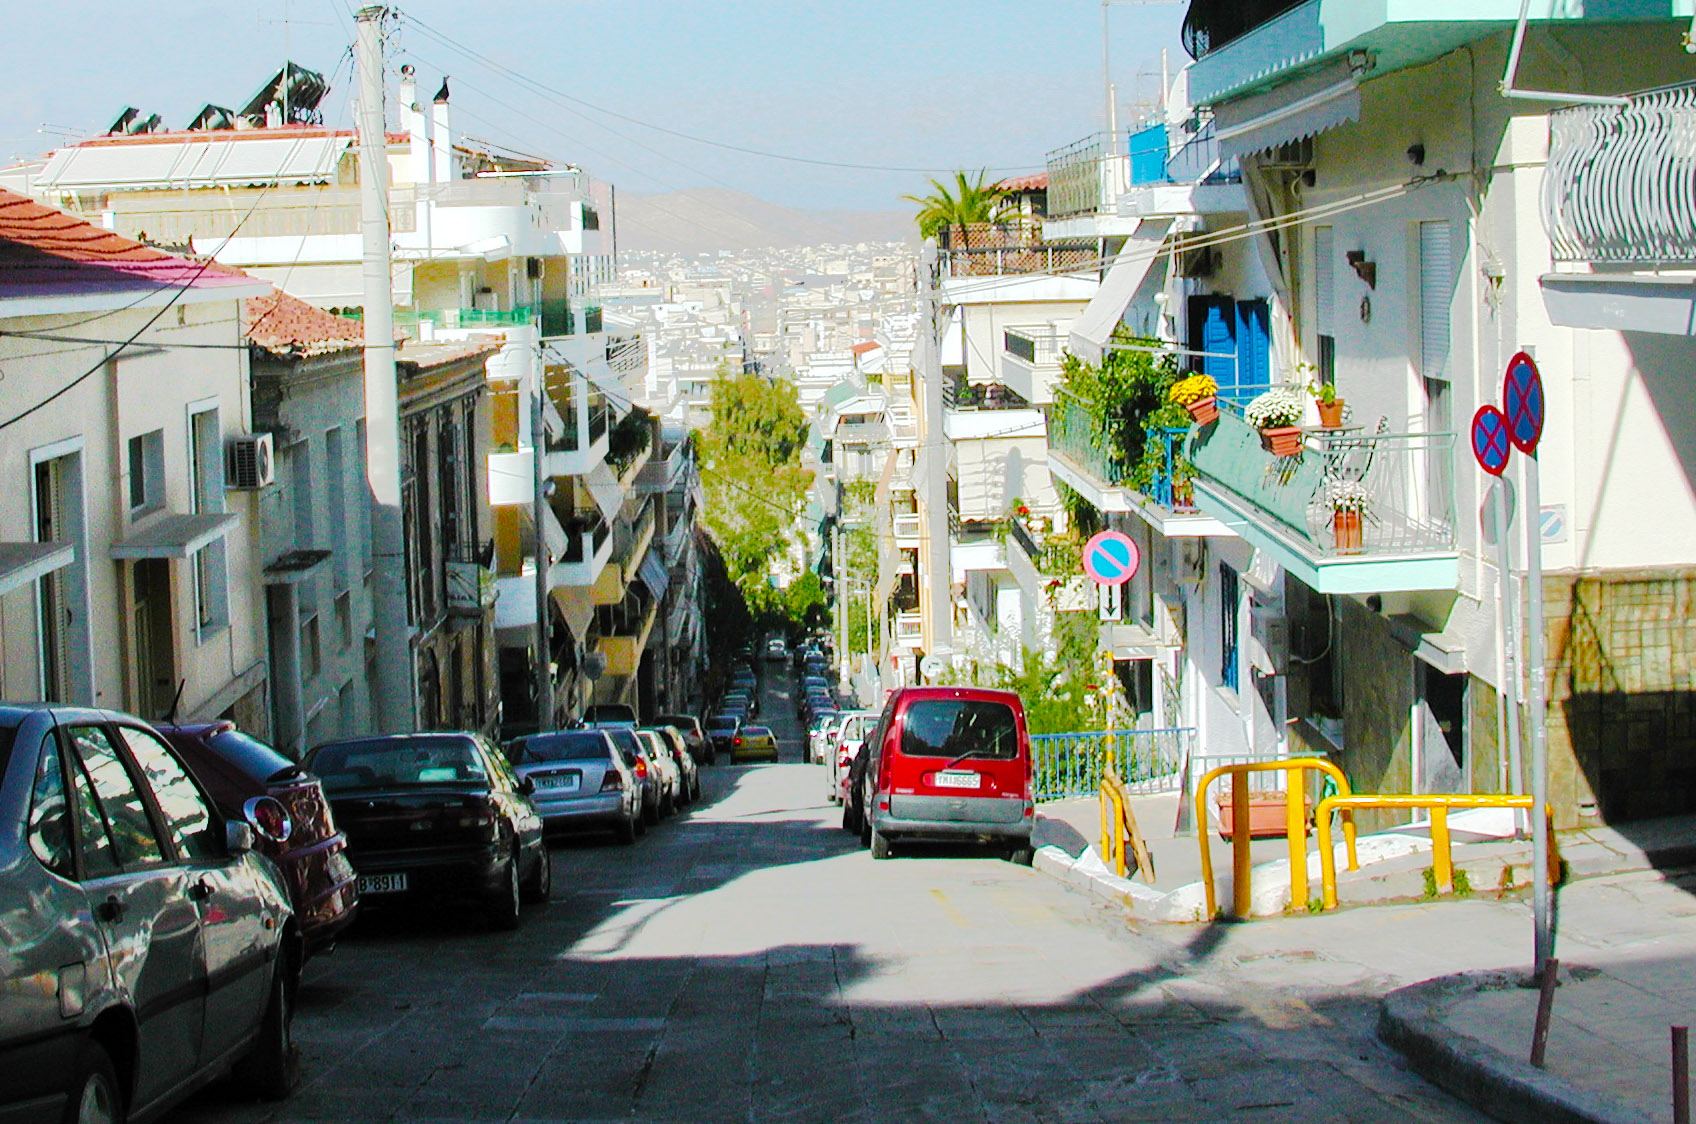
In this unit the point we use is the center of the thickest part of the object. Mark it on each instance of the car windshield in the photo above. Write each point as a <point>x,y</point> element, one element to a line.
<point>256,760</point>
<point>681,721</point>
<point>954,728</point>
<point>565,745</point>
<point>609,712</point>
<point>627,740</point>
<point>755,732</point>
<point>718,725</point>
<point>384,764</point>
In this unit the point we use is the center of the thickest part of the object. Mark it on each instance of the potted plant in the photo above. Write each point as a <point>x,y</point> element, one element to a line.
<point>1199,395</point>
<point>1349,501</point>
<point>1330,406</point>
<point>1277,414</point>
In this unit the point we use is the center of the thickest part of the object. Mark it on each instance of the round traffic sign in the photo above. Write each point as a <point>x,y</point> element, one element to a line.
<point>932,666</point>
<point>1490,441</point>
<point>1522,402</point>
<point>1111,557</point>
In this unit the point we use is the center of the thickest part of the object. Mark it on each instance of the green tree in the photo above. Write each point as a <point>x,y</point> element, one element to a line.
<point>969,201</point>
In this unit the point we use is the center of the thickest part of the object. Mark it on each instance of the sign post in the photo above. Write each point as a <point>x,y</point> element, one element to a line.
<point>1522,399</point>
<point>1492,446</point>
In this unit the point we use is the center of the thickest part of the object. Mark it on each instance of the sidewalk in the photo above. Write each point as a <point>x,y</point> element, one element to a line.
<point>1625,930</point>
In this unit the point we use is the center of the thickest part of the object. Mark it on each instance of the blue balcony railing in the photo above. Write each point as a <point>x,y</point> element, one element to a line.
<point>1072,764</point>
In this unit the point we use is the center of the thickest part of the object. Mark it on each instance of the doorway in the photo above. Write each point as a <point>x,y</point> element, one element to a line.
<point>155,663</point>
<point>1440,727</point>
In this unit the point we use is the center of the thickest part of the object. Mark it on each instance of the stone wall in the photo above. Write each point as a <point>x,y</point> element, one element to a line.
<point>1621,675</point>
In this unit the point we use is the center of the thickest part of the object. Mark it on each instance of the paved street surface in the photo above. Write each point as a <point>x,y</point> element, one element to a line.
<point>747,961</point>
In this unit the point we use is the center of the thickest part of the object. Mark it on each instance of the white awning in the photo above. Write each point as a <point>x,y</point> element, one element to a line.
<point>24,562</point>
<point>653,575</point>
<point>1091,331</point>
<point>1306,107</point>
<point>175,535</point>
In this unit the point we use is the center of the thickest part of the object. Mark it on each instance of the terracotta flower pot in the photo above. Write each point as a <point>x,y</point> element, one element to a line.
<point>1331,414</point>
<point>1204,411</point>
<point>1281,440</point>
<point>1346,530</point>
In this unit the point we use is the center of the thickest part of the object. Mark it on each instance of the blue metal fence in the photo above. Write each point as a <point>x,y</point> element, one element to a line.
<point>1071,764</point>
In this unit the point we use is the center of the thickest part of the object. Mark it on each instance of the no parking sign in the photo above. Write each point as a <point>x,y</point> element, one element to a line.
<point>1111,557</point>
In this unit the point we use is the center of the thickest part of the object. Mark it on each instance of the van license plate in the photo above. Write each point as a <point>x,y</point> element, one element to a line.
<point>957,778</point>
<point>382,883</point>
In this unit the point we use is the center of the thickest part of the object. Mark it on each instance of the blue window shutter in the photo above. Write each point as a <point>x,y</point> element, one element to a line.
<point>1219,335</point>
<point>1254,344</point>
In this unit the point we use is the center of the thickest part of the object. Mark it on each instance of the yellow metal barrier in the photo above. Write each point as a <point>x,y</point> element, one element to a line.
<point>1119,828</point>
<point>1295,827</point>
<point>1441,853</point>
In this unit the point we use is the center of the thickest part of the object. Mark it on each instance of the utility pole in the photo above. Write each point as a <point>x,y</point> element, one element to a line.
<point>538,516</point>
<point>396,705</point>
<point>933,453</point>
<point>839,556</point>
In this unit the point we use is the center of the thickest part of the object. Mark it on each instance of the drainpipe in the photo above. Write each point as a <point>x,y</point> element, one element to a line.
<point>1509,90</point>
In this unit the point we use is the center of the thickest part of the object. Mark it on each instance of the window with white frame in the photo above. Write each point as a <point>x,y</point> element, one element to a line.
<point>206,479</point>
<point>147,472</point>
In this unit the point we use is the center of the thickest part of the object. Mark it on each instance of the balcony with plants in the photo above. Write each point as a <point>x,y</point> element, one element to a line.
<point>1345,509</point>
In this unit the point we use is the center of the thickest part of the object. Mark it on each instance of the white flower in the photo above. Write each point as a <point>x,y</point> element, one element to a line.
<point>1282,405</point>
<point>1346,495</point>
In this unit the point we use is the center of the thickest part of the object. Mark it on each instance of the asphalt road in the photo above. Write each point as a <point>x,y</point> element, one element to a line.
<point>748,962</point>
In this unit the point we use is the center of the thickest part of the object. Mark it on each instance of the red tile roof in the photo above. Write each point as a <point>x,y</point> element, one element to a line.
<point>1037,181</point>
<point>285,325</point>
<point>862,348</point>
<point>46,252</point>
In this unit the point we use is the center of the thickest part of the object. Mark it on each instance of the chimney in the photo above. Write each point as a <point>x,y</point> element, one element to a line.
<point>441,139</point>
<point>417,124</point>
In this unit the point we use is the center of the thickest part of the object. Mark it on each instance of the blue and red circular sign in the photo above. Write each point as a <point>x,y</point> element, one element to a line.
<point>1111,557</point>
<point>1491,443</point>
<point>1522,403</point>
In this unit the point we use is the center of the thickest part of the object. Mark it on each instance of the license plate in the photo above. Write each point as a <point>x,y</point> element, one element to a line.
<point>957,778</point>
<point>382,883</point>
<point>567,782</point>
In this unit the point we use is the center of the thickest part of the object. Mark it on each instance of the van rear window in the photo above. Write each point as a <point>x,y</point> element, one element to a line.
<point>959,728</point>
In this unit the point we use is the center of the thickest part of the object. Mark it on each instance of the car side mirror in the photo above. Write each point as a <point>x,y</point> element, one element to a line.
<point>238,837</point>
<point>527,786</point>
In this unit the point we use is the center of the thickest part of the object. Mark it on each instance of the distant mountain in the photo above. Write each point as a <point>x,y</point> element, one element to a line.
<point>705,219</point>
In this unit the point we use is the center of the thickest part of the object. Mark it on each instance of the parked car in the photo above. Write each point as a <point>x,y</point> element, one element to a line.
<point>146,949</point>
<point>583,782</point>
<point>722,730</point>
<point>754,743</point>
<point>815,702</point>
<point>234,768</point>
<point>693,736</point>
<point>690,790</point>
<point>946,763</point>
<point>608,715</point>
<point>818,730</point>
<point>647,772</point>
<point>845,739</point>
<point>437,815</point>
<point>672,797</point>
<point>776,650</point>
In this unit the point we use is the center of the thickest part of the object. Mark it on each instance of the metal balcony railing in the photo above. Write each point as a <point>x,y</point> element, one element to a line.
<point>909,628</point>
<point>626,354</point>
<point>1084,178</point>
<point>1620,185</point>
<point>1038,346</point>
<point>907,525</point>
<point>1013,261</point>
<point>584,537</point>
<point>1404,482</point>
<point>1071,430</point>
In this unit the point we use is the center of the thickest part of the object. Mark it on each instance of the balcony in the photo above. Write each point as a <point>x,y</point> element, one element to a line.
<point>909,526</point>
<point>909,629</point>
<point>582,549</point>
<point>576,419</point>
<point>1158,171</point>
<point>1285,505</point>
<point>1620,186</point>
<point>624,629</point>
<point>1102,475</point>
<point>631,540</point>
<point>1030,361</point>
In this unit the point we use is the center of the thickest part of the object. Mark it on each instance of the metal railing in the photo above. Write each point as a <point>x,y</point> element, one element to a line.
<point>1402,482</point>
<point>1072,431</point>
<point>909,627</point>
<point>1295,827</point>
<point>1013,261</point>
<point>626,354</point>
<point>1073,764</point>
<point>1082,178</point>
<point>907,525</point>
<point>584,537</point>
<point>1620,185</point>
<point>1038,346</point>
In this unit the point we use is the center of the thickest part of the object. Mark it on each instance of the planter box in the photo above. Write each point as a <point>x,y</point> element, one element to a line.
<point>1281,440</point>
<point>1204,411</point>
<point>1265,815</point>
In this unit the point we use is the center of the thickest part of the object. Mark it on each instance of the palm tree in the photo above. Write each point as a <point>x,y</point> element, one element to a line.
<point>970,201</point>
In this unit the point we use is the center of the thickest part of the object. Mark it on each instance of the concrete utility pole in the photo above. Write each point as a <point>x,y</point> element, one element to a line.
<point>538,515</point>
<point>939,602</point>
<point>396,704</point>
<point>839,556</point>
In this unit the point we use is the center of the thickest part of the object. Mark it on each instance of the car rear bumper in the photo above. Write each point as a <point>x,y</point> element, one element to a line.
<point>601,810</point>
<point>462,871</point>
<point>954,817</point>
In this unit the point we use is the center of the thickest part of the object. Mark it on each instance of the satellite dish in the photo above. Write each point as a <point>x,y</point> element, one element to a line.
<point>932,666</point>
<point>594,665</point>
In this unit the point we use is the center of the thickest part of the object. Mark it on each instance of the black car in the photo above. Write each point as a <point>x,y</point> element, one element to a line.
<point>722,730</point>
<point>440,815</point>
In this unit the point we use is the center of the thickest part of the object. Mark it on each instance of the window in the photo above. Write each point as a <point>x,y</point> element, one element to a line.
<point>335,507</point>
<point>951,729</point>
<point>211,570</point>
<point>188,820</point>
<point>344,619</point>
<point>116,828</point>
<point>1436,287</point>
<point>147,473</point>
<point>49,825</point>
<point>1230,605</point>
<point>1325,301</point>
<point>311,648</point>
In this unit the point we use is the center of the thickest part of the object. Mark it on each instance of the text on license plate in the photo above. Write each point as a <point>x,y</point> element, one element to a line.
<point>382,883</point>
<point>565,782</point>
<point>956,778</point>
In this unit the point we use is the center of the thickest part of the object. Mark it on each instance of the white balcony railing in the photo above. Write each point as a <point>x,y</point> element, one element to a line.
<point>1620,185</point>
<point>907,525</point>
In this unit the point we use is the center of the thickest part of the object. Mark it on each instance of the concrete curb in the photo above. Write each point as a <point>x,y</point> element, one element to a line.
<point>1411,1021</point>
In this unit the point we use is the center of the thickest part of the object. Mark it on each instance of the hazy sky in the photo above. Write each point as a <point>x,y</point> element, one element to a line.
<point>928,84</point>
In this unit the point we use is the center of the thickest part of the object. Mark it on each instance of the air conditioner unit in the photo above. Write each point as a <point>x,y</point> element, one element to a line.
<point>250,461</point>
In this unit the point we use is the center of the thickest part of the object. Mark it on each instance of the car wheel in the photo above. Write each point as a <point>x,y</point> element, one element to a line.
<point>1023,854</point>
<point>865,831</point>
<point>651,813</point>
<point>625,830</point>
<point>849,823</point>
<point>695,789</point>
<point>94,1094</point>
<point>880,844</point>
<point>272,1068</point>
<point>542,887</point>
<point>503,906</point>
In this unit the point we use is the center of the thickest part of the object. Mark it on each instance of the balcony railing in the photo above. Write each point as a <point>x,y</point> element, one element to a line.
<point>907,525</point>
<point>455,318</point>
<point>626,354</point>
<point>1406,481</point>
<point>909,628</point>
<point>584,537</point>
<point>583,410</point>
<point>1013,261</point>
<point>1620,185</point>
<point>1084,178</point>
<point>1071,430</point>
<point>1037,346</point>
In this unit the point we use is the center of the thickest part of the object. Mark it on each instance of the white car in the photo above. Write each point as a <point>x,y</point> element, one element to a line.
<point>846,736</point>
<point>776,650</point>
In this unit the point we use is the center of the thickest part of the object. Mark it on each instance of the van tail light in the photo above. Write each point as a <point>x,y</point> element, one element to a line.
<point>612,782</point>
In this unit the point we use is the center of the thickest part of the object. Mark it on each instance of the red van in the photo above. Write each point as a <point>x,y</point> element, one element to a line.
<point>947,763</point>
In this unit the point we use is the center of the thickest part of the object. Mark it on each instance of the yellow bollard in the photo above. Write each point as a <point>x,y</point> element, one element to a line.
<point>1242,859</point>
<point>1441,861</point>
